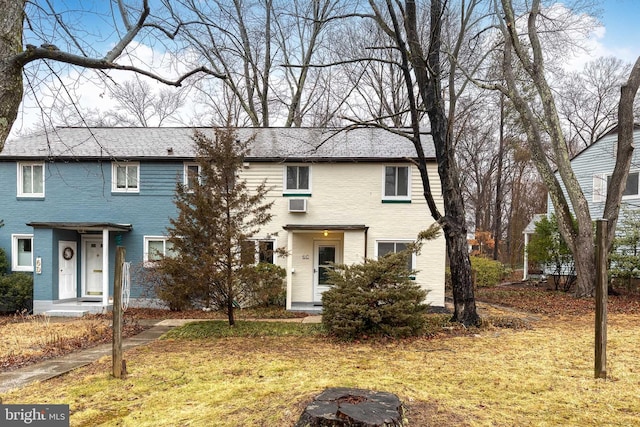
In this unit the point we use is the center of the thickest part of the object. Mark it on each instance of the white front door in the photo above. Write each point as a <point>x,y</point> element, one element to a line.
<point>92,267</point>
<point>67,262</point>
<point>325,253</point>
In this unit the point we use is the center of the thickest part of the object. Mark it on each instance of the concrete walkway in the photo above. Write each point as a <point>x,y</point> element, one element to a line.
<point>51,368</point>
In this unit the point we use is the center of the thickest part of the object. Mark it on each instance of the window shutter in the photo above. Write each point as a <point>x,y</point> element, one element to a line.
<point>599,187</point>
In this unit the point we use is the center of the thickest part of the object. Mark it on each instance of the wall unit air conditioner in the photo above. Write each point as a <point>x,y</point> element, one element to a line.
<point>297,205</point>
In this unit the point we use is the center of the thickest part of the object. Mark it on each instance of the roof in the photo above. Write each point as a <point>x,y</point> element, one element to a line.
<point>171,143</point>
<point>612,131</point>
<point>531,227</point>
<point>82,226</point>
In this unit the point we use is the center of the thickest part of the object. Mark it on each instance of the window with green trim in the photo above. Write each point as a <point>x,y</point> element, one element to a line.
<point>297,179</point>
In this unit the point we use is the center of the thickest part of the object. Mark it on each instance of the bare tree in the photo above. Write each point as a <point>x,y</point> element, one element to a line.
<point>265,49</point>
<point>525,52</point>
<point>15,56</point>
<point>423,73</point>
<point>588,100</point>
<point>139,105</point>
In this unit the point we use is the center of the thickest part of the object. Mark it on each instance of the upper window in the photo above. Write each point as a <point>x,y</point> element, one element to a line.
<point>396,183</point>
<point>631,189</point>
<point>125,178</point>
<point>31,179</point>
<point>191,175</point>
<point>387,247</point>
<point>155,247</point>
<point>298,179</point>
<point>601,183</point>
<point>22,252</point>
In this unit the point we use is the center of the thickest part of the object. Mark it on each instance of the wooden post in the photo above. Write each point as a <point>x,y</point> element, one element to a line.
<point>601,300</point>
<point>118,363</point>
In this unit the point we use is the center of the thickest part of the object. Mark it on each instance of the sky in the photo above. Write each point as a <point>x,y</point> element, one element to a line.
<point>619,36</point>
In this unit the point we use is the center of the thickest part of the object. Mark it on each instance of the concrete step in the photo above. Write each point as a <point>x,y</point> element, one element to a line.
<point>66,313</point>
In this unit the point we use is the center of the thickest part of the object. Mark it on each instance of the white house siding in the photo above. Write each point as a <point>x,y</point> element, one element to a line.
<point>349,193</point>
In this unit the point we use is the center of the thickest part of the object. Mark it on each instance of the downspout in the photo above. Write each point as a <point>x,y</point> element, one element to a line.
<point>366,242</point>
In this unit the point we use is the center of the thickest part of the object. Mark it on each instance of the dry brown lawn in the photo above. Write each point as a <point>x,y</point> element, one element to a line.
<point>540,376</point>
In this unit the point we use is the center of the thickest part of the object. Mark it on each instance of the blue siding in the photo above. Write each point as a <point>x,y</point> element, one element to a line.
<point>79,191</point>
<point>600,159</point>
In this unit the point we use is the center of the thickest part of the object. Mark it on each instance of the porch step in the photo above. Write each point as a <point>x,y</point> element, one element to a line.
<point>66,313</point>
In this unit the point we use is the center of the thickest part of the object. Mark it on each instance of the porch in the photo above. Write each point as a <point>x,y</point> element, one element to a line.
<point>72,267</point>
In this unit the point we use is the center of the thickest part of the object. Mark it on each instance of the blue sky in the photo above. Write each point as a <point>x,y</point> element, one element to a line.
<point>622,30</point>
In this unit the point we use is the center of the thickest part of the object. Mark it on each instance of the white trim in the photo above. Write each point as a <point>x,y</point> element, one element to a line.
<point>85,240</point>
<point>257,241</point>
<point>14,252</point>
<point>601,184</point>
<point>145,248</point>
<point>67,268</point>
<point>384,177</point>
<point>185,173</point>
<point>105,267</point>
<point>599,187</point>
<point>637,194</point>
<point>114,177</point>
<point>297,190</point>
<point>337,244</point>
<point>20,179</point>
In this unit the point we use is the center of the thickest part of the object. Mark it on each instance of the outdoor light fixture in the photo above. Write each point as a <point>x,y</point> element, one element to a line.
<point>326,233</point>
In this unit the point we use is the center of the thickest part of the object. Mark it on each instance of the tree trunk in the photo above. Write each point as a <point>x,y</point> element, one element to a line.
<point>584,259</point>
<point>11,22</point>
<point>463,296</point>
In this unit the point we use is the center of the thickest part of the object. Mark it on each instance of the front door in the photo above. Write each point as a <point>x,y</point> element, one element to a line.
<point>326,253</point>
<point>67,262</point>
<point>92,267</point>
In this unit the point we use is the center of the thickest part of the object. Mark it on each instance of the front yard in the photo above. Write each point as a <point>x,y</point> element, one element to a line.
<point>203,376</point>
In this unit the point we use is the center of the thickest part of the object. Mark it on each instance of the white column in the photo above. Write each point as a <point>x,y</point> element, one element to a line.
<point>525,268</point>
<point>290,270</point>
<point>105,267</point>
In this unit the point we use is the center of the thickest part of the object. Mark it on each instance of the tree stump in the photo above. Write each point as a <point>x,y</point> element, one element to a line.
<point>351,407</point>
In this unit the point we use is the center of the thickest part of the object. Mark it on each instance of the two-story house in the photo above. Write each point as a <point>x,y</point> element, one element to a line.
<point>593,168</point>
<point>69,197</point>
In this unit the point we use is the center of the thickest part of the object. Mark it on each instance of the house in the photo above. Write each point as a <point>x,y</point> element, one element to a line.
<point>593,168</point>
<point>71,196</point>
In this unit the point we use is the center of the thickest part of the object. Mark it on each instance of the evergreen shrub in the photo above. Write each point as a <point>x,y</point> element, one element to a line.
<point>16,293</point>
<point>376,298</point>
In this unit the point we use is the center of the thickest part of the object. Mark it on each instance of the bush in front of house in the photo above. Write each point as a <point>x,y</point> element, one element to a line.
<point>4,262</point>
<point>265,285</point>
<point>376,298</point>
<point>16,293</point>
<point>487,272</point>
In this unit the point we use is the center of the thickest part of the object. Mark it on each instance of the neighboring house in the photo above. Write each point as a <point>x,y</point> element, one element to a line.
<point>593,168</point>
<point>69,197</point>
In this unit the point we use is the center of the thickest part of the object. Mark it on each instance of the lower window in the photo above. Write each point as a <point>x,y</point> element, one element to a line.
<point>155,247</point>
<point>255,251</point>
<point>389,246</point>
<point>22,252</point>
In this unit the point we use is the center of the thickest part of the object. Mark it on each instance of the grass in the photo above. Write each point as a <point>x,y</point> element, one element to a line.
<point>519,368</point>
<point>242,329</point>
<point>24,339</point>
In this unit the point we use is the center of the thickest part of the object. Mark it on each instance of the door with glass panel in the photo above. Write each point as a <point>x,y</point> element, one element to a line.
<point>326,253</point>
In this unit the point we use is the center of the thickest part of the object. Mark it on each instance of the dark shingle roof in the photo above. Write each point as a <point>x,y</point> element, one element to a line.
<point>312,144</point>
